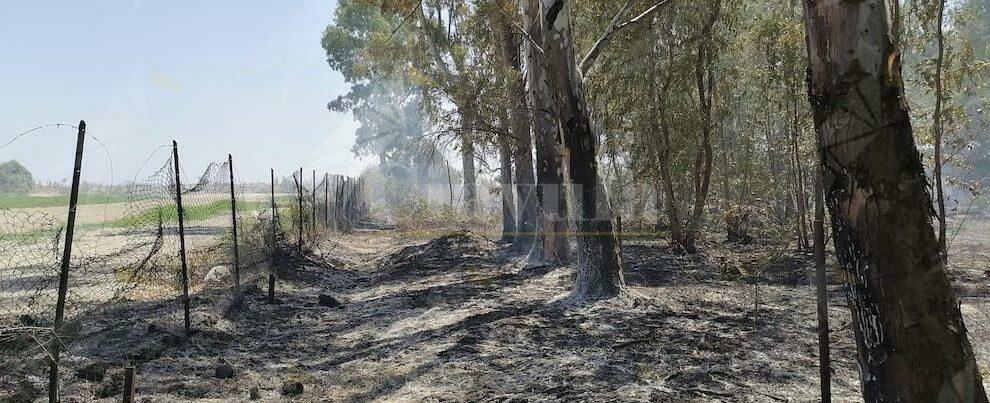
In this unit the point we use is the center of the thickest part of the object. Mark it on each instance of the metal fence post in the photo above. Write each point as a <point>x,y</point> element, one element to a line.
<point>313,222</point>
<point>333,211</point>
<point>63,274</point>
<point>299,182</point>
<point>274,251</point>
<point>182,238</point>
<point>326,202</point>
<point>233,220</point>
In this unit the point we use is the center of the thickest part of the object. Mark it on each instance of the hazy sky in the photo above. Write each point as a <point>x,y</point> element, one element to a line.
<point>218,76</point>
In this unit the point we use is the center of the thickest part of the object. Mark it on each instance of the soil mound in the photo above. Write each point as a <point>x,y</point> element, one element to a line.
<point>441,253</point>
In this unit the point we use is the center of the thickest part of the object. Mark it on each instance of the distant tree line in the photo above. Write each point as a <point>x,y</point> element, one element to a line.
<point>15,178</point>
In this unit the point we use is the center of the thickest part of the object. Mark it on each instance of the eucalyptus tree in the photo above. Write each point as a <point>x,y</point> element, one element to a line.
<point>910,335</point>
<point>384,98</point>
<point>671,112</point>
<point>503,19</point>
<point>552,246</point>
<point>599,266</point>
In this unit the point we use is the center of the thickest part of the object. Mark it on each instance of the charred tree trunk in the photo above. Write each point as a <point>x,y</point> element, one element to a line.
<point>505,178</point>
<point>522,144</point>
<point>599,266</point>
<point>910,335</point>
<point>552,246</point>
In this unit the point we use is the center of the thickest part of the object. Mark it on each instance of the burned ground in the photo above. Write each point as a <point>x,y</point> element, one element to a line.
<point>458,318</point>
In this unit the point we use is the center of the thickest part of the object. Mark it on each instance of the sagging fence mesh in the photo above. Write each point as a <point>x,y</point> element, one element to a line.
<point>128,259</point>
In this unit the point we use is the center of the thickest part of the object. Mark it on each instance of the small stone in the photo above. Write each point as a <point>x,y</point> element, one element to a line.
<point>219,277</point>
<point>329,301</point>
<point>292,388</point>
<point>93,372</point>
<point>254,393</point>
<point>224,371</point>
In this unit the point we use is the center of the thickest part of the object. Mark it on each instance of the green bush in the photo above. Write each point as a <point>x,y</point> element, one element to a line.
<point>14,178</point>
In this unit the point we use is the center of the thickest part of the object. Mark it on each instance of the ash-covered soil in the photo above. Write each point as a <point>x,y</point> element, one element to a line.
<point>459,318</point>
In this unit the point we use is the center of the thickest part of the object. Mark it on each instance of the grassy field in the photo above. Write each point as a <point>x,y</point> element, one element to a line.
<point>192,213</point>
<point>26,201</point>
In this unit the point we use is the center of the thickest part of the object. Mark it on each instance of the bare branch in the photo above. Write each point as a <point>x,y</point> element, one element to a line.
<point>589,60</point>
<point>605,38</point>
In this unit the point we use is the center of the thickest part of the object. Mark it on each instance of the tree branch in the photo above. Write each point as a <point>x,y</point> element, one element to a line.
<point>605,38</point>
<point>614,26</point>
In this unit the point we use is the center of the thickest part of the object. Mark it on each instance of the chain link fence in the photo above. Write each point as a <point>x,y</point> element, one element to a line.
<point>153,253</point>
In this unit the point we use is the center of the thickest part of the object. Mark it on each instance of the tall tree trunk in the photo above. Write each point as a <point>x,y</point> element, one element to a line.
<point>522,150</point>
<point>470,181</point>
<point>599,266</point>
<point>910,335</point>
<point>505,179</point>
<point>724,171</point>
<point>802,204</point>
<point>658,203</point>
<point>937,128</point>
<point>552,246</point>
<point>705,80</point>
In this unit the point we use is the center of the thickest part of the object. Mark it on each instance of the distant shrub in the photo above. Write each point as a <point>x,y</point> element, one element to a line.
<point>14,178</point>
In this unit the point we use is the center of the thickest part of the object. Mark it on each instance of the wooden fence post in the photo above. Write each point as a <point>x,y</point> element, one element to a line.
<point>63,274</point>
<point>128,395</point>
<point>821,287</point>
<point>271,288</point>
<point>182,238</point>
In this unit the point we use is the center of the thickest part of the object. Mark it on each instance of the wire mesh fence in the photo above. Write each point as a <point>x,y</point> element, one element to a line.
<point>164,240</point>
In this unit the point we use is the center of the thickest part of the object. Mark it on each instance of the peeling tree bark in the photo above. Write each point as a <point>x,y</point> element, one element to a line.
<point>599,266</point>
<point>910,335</point>
<point>552,246</point>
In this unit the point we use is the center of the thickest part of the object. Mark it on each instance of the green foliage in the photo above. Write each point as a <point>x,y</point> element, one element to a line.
<point>14,178</point>
<point>422,71</point>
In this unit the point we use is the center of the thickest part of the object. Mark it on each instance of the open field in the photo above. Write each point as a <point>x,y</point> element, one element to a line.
<point>126,213</point>
<point>126,256</point>
<point>34,201</point>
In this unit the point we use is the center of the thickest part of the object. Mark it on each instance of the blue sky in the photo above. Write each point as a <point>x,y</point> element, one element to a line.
<point>218,76</point>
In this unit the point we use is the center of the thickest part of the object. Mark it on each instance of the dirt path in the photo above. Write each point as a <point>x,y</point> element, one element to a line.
<point>457,318</point>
